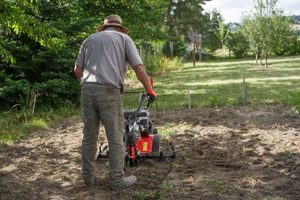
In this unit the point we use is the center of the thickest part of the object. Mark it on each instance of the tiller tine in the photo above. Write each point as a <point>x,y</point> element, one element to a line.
<point>172,147</point>
<point>103,152</point>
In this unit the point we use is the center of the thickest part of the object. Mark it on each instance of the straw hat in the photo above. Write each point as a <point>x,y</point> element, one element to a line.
<point>113,20</point>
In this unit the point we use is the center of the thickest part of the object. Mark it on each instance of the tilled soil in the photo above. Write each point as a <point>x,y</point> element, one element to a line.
<point>229,153</point>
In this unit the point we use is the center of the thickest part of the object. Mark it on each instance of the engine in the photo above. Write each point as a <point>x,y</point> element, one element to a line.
<point>145,137</point>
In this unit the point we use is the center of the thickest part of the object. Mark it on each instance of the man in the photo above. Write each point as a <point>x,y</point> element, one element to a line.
<point>101,66</point>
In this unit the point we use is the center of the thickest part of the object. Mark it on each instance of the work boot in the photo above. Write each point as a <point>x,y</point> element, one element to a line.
<point>127,182</point>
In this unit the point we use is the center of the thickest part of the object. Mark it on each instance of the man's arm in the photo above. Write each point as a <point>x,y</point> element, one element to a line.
<point>78,69</point>
<point>142,76</point>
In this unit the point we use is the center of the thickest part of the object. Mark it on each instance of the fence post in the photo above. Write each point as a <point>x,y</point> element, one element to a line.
<point>244,90</point>
<point>33,104</point>
<point>189,99</point>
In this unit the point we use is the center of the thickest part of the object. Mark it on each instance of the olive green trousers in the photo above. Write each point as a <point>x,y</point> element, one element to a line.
<point>103,104</point>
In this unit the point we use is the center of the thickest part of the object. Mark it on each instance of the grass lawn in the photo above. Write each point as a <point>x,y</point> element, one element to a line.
<point>218,83</point>
<point>17,124</point>
<point>213,83</point>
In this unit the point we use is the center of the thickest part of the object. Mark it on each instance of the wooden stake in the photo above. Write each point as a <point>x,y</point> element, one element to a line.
<point>33,104</point>
<point>244,90</point>
<point>189,100</point>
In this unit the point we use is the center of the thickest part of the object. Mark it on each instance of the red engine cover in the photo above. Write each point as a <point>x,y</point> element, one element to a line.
<point>144,144</point>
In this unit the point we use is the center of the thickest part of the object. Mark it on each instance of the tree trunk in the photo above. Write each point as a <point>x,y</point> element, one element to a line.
<point>256,58</point>
<point>194,52</point>
<point>244,90</point>
<point>260,60</point>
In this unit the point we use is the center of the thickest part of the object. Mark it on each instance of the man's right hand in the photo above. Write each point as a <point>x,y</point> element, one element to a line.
<point>78,72</point>
<point>151,94</point>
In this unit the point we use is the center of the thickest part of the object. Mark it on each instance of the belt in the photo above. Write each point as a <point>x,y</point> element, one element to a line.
<point>103,88</point>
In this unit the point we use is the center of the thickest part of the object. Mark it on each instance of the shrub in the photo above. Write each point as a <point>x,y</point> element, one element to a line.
<point>238,44</point>
<point>179,47</point>
<point>217,101</point>
<point>161,64</point>
<point>158,65</point>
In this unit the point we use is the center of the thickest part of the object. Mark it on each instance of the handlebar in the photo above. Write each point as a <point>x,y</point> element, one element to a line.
<point>143,99</point>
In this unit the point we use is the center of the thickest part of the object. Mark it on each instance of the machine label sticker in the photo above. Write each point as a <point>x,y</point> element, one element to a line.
<point>145,146</point>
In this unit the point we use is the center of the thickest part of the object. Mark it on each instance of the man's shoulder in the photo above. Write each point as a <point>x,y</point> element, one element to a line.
<point>123,35</point>
<point>107,34</point>
<point>89,38</point>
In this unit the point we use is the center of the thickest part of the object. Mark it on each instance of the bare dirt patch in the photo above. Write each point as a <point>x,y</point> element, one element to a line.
<point>230,153</point>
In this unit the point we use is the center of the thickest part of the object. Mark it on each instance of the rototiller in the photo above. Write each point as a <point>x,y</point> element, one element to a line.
<point>141,138</point>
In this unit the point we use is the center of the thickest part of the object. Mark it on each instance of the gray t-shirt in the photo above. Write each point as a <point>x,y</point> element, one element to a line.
<point>104,57</point>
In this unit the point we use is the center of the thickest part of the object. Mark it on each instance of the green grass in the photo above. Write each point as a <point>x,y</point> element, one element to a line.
<point>219,83</point>
<point>212,83</point>
<point>147,195</point>
<point>167,130</point>
<point>219,185</point>
<point>16,124</point>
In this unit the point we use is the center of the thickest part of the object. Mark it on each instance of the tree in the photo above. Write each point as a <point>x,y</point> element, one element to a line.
<point>267,30</point>
<point>238,44</point>
<point>212,40</point>
<point>21,18</point>
<point>39,40</point>
<point>250,31</point>
<point>31,43</point>
<point>223,32</point>
<point>185,17</point>
<point>283,36</point>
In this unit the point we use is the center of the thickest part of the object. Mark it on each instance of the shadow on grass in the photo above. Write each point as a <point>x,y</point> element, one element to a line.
<point>226,75</point>
<point>179,96</point>
<point>214,81</point>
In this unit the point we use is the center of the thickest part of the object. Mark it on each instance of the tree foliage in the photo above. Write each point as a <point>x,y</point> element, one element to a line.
<point>253,35</point>
<point>185,17</point>
<point>223,31</point>
<point>39,41</point>
<point>238,44</point>
<point>267,30</point>
<point>213,37</point>
<point>282,37</point>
